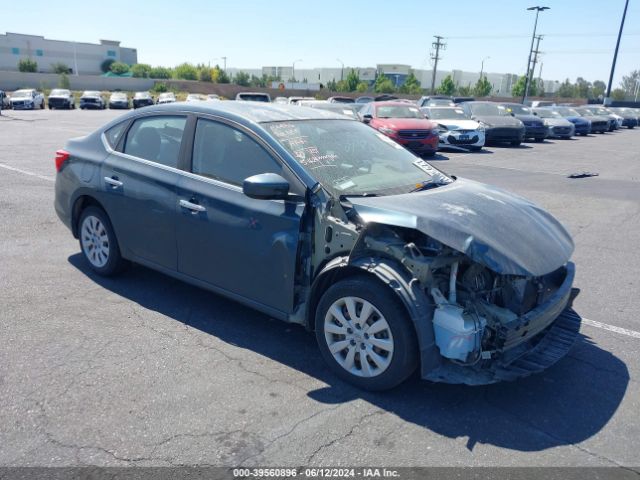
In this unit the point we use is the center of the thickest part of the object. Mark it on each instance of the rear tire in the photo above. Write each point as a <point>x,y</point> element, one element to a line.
<point>516,143</point>
<point>98,242</point>
<point>365,335</point>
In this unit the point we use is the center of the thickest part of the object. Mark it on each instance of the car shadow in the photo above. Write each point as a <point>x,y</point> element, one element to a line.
<point>522,146</point>
<point>567,404</point>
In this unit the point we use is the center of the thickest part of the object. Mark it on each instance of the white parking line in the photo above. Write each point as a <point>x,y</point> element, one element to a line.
<point>586,321</point>
<point>31,174</point>
<point>611,328</point>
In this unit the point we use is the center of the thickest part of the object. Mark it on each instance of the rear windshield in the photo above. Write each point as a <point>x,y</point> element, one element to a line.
<point>488,109</point>
<point>398,111</point>
<point>253,97</point>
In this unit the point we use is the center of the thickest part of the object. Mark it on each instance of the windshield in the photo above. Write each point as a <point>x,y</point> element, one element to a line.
<point>567,112</point>
<point>350,158</point>
<point>488,109</point>
<point>548,114</point>
<point>118,95</point>
<point>89,93</point>
<point>21,93</point>
<point>398,111</point>
<point>142,95</point>
<point>518,109</point>
<point>251,97</point>
<point>446,113</point>
<point>166,95</point>
<point>58,91</point>
<point>440,102</point>
<point>342,109</point>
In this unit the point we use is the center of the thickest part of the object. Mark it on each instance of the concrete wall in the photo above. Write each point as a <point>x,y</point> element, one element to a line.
<point>14,80</point>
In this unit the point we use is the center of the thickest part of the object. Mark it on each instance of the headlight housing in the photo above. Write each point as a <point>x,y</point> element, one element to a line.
<point>387,131</point>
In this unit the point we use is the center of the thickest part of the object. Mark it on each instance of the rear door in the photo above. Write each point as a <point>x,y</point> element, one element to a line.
<point>140,188</point>
<point>244,246</point>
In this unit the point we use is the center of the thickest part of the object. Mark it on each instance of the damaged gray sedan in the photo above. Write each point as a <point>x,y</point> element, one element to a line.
<point>317,219</point>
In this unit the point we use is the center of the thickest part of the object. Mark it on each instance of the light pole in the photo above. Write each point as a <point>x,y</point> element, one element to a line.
<point>293,68</point>
<point>607,99</point>
<point>224,59</point>
<point>535,25</point>
<point>482,66</point>
<point>341,69</point>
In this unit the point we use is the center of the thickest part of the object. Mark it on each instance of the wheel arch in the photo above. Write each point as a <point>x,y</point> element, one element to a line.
<point>79,205</point>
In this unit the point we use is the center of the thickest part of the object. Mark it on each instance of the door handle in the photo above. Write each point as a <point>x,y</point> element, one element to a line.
<point>114,182</point>
<point>194,207</point>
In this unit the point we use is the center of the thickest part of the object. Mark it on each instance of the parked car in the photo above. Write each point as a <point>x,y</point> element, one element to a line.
<point>92,99</point>
<point>403,123</point>
<point>166,97</point>
<point>499,126</point>
<point>142,99</point>
<point>348,109</point>
<point>629,117</point>
<point>598,124</point>
<point>253,97</point>
<point>281,100</point>
<point>615,121</point>
<point>557,126</point>
<point>5,100</point>
<point>295,100</point>
<point>195,97</point>
<point>435,101</point>
<point>456,130</point>
<point>534,128</point>
<point>364,99</point>
<point>27,99</point>
<point>118,100</point>
<point>385,97</point>
<point>581,124</point>
<point>395,264</point>
<point>213,97</point>
<point>338,99</point>
<point>458,100</point>
<point>61,98</point>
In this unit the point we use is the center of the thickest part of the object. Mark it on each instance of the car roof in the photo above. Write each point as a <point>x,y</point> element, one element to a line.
<point>256,112</point>
<point>394,103</point>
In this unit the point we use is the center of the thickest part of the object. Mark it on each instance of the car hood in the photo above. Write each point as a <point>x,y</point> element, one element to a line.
<point>504,232</point>
<point>578,120</point>
<point>529,118</point>
<point>558,122</point>
<point>405,123</point>
<point>455,124</point>
<point>498,120</point>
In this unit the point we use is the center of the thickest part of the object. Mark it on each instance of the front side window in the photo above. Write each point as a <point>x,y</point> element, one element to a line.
<point>157,139</point>
<point>229,155</point>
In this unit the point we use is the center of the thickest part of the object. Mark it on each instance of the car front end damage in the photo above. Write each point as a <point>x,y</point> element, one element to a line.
<point>484,275</point>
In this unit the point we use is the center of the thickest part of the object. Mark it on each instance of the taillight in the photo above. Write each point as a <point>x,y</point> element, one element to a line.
<point>61,157</point>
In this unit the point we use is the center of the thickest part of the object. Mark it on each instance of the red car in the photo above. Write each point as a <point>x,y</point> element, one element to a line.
<point>404,123</point>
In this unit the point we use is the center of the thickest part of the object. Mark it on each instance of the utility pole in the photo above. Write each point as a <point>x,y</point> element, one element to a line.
<point>224,59</point>
<point>535,60</point>
<point>438,44</point>
<point>341,69</point>
<point>535,26</point>
<point>607,97</point>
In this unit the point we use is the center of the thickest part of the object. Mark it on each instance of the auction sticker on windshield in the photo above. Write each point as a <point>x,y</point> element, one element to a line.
<point>425,167</point>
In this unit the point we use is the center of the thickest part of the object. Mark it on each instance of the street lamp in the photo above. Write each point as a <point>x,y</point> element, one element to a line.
<point>293,68</point>
<point>482,66</point>
<point>341,69</point>
<point>535,25</point>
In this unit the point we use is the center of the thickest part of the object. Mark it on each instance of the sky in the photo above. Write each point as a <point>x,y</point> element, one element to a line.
<point>579,35</point>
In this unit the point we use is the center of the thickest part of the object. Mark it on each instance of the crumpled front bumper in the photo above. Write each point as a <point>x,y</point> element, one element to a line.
<point>531,343</point>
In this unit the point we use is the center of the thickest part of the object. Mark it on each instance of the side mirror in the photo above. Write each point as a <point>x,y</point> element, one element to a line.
<point>266,186</point>
<point>367,118</point>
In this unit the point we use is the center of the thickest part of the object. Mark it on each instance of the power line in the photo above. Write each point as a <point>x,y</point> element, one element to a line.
<point>504,36</point>
<point>438,44</point>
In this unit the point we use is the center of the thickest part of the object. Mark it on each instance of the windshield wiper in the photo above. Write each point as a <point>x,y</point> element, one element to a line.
<point>347,195</point>
<point>429,184</point>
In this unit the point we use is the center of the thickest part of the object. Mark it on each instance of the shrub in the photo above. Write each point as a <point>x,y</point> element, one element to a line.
<point>362,87</point>
<point>186,71</point>
<point>63,81</point>
<point>205,74</point>
<point>159,87</point>
<point>60,67</point>
<point>160,72</point>
<point>119,68</point>
<point>27,65</point>
<point>141,70</point>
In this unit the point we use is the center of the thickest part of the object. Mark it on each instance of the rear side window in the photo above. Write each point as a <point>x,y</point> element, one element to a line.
<point>114,134</point>
<point>229,155</point>
<point>157,139</point>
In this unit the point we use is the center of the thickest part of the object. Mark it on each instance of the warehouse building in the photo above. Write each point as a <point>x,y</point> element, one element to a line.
<point>83,58</point>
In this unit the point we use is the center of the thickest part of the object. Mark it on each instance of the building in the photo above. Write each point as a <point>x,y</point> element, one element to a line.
<point>81,58</point>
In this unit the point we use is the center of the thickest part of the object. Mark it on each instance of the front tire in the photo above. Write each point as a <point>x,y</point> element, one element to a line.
<point>365,334</point>
<point>98,242</point>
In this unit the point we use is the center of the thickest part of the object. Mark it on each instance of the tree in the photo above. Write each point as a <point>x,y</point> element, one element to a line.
<point>204,74</point>
<point>259,82</point>
<point>63,81</point>
<point>599,88</point>
<point>383,84</point>
<point>628,83</point>
<point>141,70</point>
<point>119,68</point>
<point>352,81</point>
<point>465,90</point>
<point>447,87</point>
<point>411,85</point>
<point>362,87</point>
<point>583,88</point>
<point>332,86</point>
<point>186,71</point>
<point>342,86</point>
<point>618,94</point>
<point>27,65</point>
<point>219,76</point>
<point>60,67</point>
<point>242,78</point>
<point>566,89</point>
<point>483,87</point>
<point>105,66</point>
<point>160,87</point>
<point>160,73</point>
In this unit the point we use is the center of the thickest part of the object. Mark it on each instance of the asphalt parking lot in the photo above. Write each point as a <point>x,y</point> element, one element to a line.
<point>145,370</point>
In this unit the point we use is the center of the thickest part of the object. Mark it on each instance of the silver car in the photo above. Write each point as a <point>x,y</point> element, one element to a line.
<point>557,125</point>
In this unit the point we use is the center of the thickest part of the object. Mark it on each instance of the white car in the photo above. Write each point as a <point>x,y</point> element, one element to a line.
<point>195,97</point>
<point>166,97</point>
<point>456,130</point>
<point>27,99</point>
